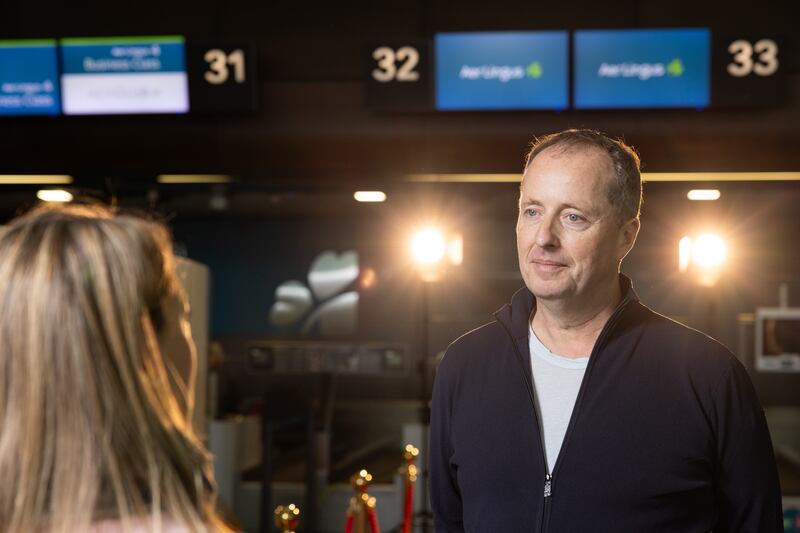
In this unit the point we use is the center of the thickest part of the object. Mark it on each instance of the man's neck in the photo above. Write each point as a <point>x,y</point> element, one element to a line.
<point>570,329</point>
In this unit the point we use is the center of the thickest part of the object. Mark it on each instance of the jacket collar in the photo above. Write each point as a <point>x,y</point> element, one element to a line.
<point>516,315</point>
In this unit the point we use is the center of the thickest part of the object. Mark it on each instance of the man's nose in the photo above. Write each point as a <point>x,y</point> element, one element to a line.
<point>547,233</point>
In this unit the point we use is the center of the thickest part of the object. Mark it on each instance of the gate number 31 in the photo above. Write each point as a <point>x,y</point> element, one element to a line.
<point>218,62</point>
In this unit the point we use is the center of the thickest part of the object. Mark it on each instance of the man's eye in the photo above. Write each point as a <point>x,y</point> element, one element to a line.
<point>531,212</point>
<point>572,217</point>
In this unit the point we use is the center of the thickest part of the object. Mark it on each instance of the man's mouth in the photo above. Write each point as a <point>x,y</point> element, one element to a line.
<point>544,265</point>
<point>545,262</point>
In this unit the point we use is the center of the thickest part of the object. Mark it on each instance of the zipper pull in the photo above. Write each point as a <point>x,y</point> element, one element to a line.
<point>548,479</point>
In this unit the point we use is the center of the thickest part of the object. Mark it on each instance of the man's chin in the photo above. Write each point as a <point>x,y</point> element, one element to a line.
<point>549,296</point>
<point>548,290</point>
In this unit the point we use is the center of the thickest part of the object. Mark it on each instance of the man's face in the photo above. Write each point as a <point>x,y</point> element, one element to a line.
<point>569,237</point>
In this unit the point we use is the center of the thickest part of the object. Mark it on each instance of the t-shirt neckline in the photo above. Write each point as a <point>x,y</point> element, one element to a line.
<point>538,349</point>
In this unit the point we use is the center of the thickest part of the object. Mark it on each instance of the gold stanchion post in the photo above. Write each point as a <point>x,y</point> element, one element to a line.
<point>361,514</point>
<point>287,518</point>
<point>409,471</point>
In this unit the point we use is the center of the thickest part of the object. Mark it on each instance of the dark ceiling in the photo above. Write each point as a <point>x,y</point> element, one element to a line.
<point>313,133</point>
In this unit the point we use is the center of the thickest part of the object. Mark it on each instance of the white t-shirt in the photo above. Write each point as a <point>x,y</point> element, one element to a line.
<point>556,381</point>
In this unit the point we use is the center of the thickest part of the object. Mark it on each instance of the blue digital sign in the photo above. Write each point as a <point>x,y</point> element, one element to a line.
<point>29,78</point>
<point>124,75</point>
<point>502,70</point>
<point>642,68</point>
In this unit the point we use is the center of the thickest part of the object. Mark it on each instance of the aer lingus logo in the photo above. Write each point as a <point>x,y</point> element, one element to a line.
<point>534,70</point>
<point>675,67</point>
<point>327,306</point>
<point>643,71</point>
<point>501,73</point>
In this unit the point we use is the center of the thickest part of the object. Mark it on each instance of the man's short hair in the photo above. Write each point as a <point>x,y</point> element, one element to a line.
<point>625,192</point>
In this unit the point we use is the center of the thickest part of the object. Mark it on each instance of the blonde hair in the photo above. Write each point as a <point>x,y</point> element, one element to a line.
<point>90,428</point>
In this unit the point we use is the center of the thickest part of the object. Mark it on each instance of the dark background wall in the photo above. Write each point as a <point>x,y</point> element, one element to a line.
<point>313,124</point>
<point>313,141</point>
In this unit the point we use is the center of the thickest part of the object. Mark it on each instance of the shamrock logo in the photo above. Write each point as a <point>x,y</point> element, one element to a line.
<point>328,305</point>
<point>675,67</point>
<point>534,70</point>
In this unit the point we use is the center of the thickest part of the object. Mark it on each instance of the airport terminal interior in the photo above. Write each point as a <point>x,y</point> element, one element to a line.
<point>341,183</point>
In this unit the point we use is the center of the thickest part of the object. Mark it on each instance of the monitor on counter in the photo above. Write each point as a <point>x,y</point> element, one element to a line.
<point>29,78</point>
<point>502,70</point>
<point>642,68</point>
<point>777,339</point>
<point>124,75</point>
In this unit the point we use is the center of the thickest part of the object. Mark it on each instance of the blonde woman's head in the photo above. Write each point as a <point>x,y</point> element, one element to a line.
<point>93,422</point>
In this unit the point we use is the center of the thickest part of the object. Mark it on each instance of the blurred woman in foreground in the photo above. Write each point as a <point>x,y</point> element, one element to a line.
<point>92,435</point>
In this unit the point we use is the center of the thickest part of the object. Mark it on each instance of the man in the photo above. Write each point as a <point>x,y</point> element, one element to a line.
<point>579,409</point>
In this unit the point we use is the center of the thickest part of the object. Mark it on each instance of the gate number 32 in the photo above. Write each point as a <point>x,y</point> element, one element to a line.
<point>765,63</point>
<point>395,65</point>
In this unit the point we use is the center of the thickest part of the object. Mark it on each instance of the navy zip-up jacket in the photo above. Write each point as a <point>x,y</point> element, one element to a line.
<point>667,434</point>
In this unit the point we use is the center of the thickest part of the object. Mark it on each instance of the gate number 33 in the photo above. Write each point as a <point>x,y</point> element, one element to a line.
<point>395,65</point>
<point>765,63</point>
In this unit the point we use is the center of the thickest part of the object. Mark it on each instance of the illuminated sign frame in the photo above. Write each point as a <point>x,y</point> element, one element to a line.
<point>502,70</point>
<point>124,75</point>
<point>642,68</point>
<point>29,77</point>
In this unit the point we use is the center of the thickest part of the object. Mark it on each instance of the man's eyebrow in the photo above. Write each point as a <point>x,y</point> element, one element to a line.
<point>531,201</point>
<point>579,208</point>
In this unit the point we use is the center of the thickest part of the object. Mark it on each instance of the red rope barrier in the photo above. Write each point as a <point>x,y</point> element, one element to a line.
<point>408,508</point>
<point>373,520</point>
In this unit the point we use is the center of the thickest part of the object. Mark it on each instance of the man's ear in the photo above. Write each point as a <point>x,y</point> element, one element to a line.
<point>627,236</point>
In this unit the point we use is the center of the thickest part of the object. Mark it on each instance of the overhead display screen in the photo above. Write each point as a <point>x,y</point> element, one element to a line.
<point>29,78</point>
<point>502,70</point>
<point>642,68</point>
<point>124,75</point>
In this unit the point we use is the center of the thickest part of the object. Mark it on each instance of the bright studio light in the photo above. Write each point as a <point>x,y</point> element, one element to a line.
<point>704,256</point>
<point>455,249</point>
<point>428,246</point>
<point>54,195</point>
<point>704,251</point>
<point>709,251</point>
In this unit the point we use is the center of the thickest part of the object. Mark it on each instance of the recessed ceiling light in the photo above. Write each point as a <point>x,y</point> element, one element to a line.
<point>35,179</point>
<point>194,178</point>
<point>646,176</point>
<point>370,196</point>
<point>703,194</point>
<point>54,195</point>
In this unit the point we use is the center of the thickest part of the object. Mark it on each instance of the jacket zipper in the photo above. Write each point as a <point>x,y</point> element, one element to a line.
<point>548,483</point>
<point>549,480</point>
<point>548,492</point>
<point>610,323</point>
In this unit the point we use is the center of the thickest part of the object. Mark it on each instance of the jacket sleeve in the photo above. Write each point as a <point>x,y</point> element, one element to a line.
<point>445,495</point>
<point>746,476</point>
